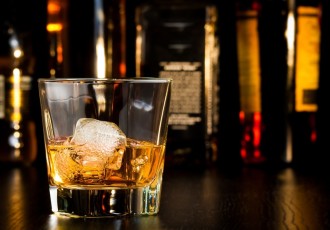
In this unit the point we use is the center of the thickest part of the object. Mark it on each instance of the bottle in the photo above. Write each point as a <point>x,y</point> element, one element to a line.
<point>87,39</point>
<point>179,40</point>
<point>18,142</point>
<point>279,70</point>
<point>322,119</point>
<point>305,83</point>
<point>248,55</point>
<point>262,75</point>
<point>229,134</point>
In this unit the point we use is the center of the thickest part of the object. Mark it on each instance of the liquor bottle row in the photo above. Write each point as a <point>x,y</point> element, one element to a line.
<point>247,74</point>
<point>288,57</point>
<point>278,60</point>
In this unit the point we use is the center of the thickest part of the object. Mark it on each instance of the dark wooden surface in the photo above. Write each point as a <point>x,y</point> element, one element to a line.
<point>248,198</point>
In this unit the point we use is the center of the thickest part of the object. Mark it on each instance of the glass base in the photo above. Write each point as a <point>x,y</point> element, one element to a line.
<point>92,203</point>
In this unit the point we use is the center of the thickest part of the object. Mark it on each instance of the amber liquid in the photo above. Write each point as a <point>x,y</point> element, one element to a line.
<point>131,166</point>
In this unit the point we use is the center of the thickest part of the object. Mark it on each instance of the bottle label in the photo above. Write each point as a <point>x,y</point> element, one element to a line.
<point>308,56</point>
<point>186,106</point>
<point>248,61</point>
<point>165,48</point>
<point>2,97</point>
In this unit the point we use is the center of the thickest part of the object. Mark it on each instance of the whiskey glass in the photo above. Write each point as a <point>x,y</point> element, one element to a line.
<point>105,144</point>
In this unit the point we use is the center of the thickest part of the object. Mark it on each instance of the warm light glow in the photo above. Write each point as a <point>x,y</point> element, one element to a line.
<point>17,134</point>
<point>14,141</point>
<point>251,139</point>
<point>17,153</point>
<point>53,7</point>
<point>243,153</point>
<point>290,35</point>
<point>256,129</point>
<point>122,25</point>
<point>54,27</point>
<point>289,152</point>
<point>257,118</point>
<point>52,72</point>
<point>17,79</point>
<point>16,96</point>
<point>2,96</point>
<point>122,69</point>
<point>58,178</point>
<point>257,136</point>
<point>100,58</point>
<point>313,136</point>
<point>247,137</point>
<point>138,56</point>
<point>18,53</point>
<point>257,153</point>
<point>241,116</point>
<point>59,50</point>
<point>16,126</point>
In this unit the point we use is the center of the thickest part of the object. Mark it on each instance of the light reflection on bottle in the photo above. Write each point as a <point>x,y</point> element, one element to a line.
<point>251,137</point>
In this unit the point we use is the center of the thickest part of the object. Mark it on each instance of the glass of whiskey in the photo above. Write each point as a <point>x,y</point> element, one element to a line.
<point>105,144</point>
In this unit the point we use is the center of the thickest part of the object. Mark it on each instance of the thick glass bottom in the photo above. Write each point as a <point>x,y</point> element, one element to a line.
<point>97,203</point>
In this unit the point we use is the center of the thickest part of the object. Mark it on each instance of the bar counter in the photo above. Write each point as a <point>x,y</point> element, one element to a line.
<point>209,198</point>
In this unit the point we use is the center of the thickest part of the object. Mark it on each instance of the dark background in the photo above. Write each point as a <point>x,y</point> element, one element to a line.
<point>30,18</point>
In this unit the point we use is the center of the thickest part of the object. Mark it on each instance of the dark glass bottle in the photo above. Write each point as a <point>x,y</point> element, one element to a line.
<point>249,75</point>
<point>278,46</point>
<point>179,40</point>
<point>229,134</point>
<point>322,118</point>
<point>262,74</point>
<point>276,58</point>
<point>305,81</point>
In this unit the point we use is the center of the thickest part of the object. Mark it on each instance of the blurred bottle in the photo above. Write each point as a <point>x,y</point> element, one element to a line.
<point>18,142</point>
<point>322,118</point>
<point>262,73</point>
<point>87,38</point>
<point>179,40</point>
<point>249,72</point>
<point>305,79</point>
<point>229,157</point>
<point>278,45</point>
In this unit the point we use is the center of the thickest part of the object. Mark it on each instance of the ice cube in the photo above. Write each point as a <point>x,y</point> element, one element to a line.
<point>101,143</point>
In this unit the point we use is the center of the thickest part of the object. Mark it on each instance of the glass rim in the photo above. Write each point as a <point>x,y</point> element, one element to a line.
<point>107,80</point>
